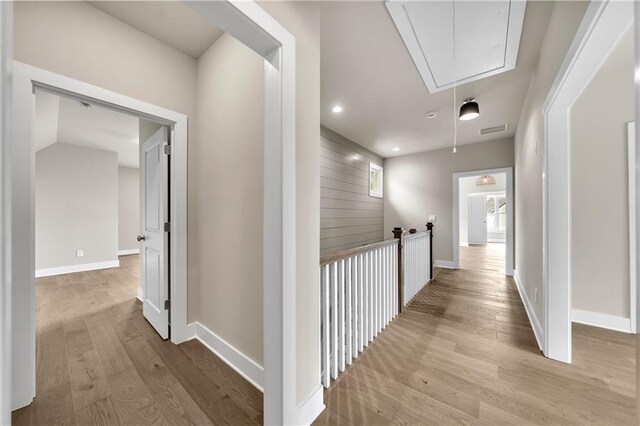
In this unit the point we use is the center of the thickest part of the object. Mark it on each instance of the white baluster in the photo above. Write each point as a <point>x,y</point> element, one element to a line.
<point>354,307</point>
<point>341,363</point>
<point>361,300</point>
<point>348,312</point>
<point>326,345</point>
<point>334,320</point>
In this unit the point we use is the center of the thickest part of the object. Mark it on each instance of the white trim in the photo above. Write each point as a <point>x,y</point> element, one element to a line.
<point>6,14</point>
<point>61,270</point>
<point>508,254</point>
<point>140,295</point>
<point>249,23</point>
<point>444,264</point>
<point>597,319</point>
<point>631,161</point>
<point>127,252</point>
<point>636,163</point>
<point>528,307</point>
<point>26,77</point>
<point>245,366</point>
<point>601,28</point>
<point>311,407</point>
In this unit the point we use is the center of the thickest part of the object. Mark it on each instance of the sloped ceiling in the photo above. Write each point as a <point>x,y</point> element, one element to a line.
<point>68,121</point>
<point>171,22</point>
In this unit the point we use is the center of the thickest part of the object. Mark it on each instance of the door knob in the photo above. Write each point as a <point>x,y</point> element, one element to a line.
<point>141,238</point>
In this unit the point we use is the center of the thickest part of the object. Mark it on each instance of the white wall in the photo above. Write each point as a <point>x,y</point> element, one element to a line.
<point>128,208</point>
<point>599,187</point>
<point>467,185</point>
<point>302,19</point>
<point>419,185</point>
<point>230,118</point>
<point>79,41</point>
<point>76,206</point>
<point>563,23</point>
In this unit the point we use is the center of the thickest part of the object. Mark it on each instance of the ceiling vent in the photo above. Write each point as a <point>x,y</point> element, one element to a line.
<point>494,129</point>
<point>486,40</point>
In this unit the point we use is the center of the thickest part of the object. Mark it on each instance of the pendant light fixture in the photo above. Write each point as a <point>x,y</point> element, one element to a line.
<point>485,180</point>
<point>469,109</point>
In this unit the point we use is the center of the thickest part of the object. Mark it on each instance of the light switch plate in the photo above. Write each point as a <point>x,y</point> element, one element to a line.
<point>79,253</point>
<point>432,218</point>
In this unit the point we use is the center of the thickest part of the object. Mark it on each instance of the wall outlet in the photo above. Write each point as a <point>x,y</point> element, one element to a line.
<point>79,253</point>
<point>535,295</point>
<point>432,218</point>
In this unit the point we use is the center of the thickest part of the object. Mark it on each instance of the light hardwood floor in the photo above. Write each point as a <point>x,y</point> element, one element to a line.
<point>100,362</point>
<point>463,352</point>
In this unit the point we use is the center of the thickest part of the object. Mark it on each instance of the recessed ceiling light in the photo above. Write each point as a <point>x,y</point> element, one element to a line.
<point>432,114</point>
<point>396,149</point>
<point>336,109</point>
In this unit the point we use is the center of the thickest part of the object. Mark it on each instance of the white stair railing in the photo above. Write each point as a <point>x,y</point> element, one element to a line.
<point>359,297</point>
<point>417,270</point>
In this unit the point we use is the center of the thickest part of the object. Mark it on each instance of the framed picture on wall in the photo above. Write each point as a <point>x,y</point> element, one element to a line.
<point>375,180</point>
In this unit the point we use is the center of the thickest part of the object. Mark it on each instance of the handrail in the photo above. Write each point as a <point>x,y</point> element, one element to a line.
<point>408,236</point>
<point>345,254</point>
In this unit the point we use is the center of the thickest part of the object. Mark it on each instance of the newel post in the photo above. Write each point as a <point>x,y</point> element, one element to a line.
<point>398,233</point>
<point>430,229</point>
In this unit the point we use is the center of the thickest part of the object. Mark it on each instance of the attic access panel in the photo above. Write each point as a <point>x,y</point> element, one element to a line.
<point>487,38</point>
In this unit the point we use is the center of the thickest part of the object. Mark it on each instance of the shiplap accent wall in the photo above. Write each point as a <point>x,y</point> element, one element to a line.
<point>349,217</point>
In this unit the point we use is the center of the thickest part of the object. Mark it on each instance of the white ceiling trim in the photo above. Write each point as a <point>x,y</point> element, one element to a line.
<point>437,68</point>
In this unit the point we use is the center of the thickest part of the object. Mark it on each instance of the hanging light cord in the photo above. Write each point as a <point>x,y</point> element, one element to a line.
<point>455,81</point>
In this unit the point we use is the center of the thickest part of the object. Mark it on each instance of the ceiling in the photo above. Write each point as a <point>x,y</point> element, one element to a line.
<point>459,42</point>
<point>367,70</point>
<point>171,22</point>
<point>65,120</point>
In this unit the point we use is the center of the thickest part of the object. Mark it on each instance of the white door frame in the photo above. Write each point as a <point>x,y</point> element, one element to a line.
<point>6,13</point>
<point>508,256</point>
<point>250,24</point>
<point>26,79</point>
<point>633,225</point>
<point>602,26</point>
<point>636,161</point>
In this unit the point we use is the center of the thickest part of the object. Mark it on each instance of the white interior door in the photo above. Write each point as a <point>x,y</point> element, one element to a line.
<point>477,219</point>
<point>154,271</point>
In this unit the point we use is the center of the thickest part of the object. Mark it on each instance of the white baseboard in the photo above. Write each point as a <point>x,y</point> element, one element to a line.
<point>310,408</point>
<point>444,264</point>
<point>531,313</point>
<point>128,252</point>
<point>245,366</point>
<point>306,412</point>
<point>48,272</point>
<point>140,295</point>
<point>597,319</point>
<point>464,244</point>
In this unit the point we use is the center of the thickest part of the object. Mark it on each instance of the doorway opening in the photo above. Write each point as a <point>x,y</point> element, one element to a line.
<point>483,220</point>
<point>573,290</point>
<point>253,27</point>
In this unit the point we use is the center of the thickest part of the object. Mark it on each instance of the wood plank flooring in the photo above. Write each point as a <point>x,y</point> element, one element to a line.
<point>100,362</point>
<point>463,352</point>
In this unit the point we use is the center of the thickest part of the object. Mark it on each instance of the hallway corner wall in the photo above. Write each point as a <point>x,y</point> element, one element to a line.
<point>563,24</point>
